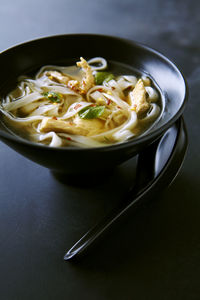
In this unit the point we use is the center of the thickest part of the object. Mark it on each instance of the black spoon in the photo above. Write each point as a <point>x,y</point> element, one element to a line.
<point>157,167</point>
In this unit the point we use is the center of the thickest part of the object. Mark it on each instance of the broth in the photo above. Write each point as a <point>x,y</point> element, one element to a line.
<point>92,104</point>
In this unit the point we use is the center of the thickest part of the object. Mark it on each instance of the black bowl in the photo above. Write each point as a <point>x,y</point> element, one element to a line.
<point>29,56</point>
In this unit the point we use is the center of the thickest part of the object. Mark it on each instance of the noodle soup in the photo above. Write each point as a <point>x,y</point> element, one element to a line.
<point>89,104</point>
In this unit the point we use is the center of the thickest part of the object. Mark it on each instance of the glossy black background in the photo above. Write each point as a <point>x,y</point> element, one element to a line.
<point>154,254</point>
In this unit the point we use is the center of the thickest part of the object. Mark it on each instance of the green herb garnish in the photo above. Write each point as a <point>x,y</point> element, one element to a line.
<point>91,112</point>
<point>100,77</point>
<point>53,97</point>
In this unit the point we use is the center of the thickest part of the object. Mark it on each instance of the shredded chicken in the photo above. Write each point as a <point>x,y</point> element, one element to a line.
<point>76,126</point>
<point>88,80</point>
<point>138,99</point>
<point>58,76</point>
<point>80,87</point>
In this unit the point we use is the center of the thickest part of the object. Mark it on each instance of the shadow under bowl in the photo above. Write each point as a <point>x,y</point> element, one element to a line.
<point>61,49</point>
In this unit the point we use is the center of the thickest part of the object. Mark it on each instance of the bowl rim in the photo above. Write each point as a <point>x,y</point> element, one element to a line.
<point>132,142</point>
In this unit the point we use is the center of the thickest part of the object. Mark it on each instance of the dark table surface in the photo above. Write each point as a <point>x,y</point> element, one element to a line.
<point>154,254</point>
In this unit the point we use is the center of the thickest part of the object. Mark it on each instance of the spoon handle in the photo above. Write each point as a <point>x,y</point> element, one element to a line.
<point>149,182</point>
